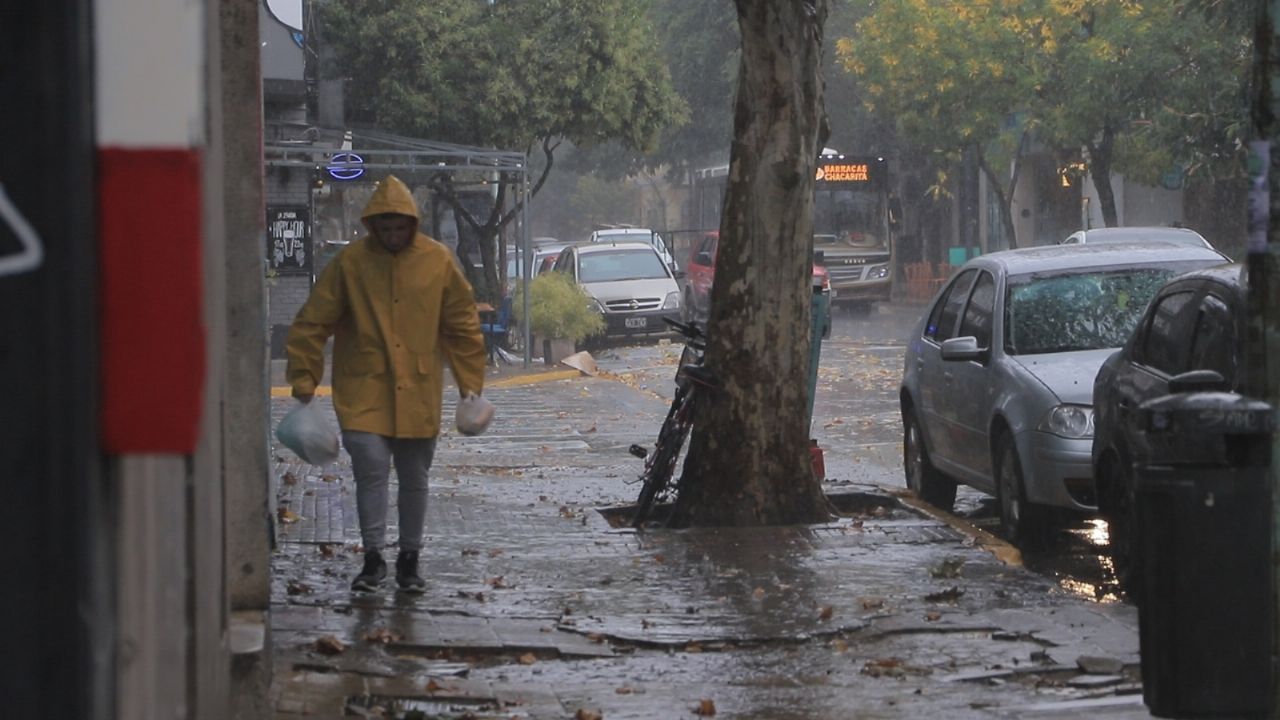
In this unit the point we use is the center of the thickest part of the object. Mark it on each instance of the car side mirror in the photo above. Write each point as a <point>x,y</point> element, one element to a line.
<point>963,348</point>
<point>1197,381</point>
<point>678,274</point>
<point>703,258</point>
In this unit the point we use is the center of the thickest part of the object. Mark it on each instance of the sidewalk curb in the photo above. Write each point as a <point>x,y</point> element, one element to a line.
<point>530,379</point>
<point>1003,551</point>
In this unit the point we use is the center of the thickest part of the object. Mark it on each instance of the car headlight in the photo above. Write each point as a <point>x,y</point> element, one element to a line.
<point>672,302</point>
<point>877,272</point>
<point>1069,421</point>
<point>597,306</point>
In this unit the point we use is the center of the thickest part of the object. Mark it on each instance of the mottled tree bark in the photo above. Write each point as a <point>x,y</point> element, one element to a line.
<point>1100,171</point>
<point>749,457</point>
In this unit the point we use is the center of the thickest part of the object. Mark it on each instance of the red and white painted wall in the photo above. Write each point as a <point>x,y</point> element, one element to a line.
<point>151,127</point>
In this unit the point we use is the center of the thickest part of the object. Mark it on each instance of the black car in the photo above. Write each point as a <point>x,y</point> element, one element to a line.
<point>1191,338</point>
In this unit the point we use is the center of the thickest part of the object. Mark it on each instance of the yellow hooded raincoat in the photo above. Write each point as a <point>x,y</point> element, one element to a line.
<point>394,318</point>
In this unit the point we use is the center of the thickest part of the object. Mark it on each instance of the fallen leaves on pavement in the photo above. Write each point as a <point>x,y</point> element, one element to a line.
<point>329,645</point>
<point>705,707</point>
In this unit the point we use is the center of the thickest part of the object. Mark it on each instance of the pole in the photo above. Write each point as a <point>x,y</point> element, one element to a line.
<point>526,252</point>
<point>1263,257</point>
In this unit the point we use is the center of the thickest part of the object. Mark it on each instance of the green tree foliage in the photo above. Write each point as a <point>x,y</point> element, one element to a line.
<point>952,75</point>
<point>514,75</point>
<point>1127,86</point>
<point>1145,88</point>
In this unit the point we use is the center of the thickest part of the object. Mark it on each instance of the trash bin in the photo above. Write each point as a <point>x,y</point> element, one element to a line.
<point>1203,554</point>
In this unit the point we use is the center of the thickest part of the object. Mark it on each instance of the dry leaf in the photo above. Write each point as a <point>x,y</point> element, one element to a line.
<point>872,603</point>
<point>381,635</point>
<point>839,645</point>
<point>297,587</point>
<point>705,707</point>
<point>625,690</point>
<point>933,616</point>
<point>659,558</point>
<point>497,583</point>
<point>329,645</point>
<point>326,550</point>
<point>289,479</point>
<point>758,593</point>
<point>693,648</point>
<point>433,686</point>
<point>470,551</point>
<point>585,714</point>
<point>826,613</point>
<point>287,516</point>
<point>329,478</point>
<point>527,659</point>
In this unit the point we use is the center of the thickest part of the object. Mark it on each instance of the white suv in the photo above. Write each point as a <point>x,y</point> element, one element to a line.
<point>641,234</point>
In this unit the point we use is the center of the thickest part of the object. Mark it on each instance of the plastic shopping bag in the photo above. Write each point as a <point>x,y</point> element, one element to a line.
<point>474,414</point>
<point>306,432</point>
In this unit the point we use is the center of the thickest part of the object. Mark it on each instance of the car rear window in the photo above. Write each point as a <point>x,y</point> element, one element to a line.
<point>1086,309</point>
<point>620,265</point>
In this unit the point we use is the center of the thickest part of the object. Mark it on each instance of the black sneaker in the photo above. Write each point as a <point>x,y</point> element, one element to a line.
<point>407,572</point>
<point>375,569</point>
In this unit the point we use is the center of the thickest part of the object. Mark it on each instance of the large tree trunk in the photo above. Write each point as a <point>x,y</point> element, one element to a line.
<point>749,455</point>
<point>1100,171</point>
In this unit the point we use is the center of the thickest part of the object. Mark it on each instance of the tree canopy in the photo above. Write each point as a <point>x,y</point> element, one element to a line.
<point>510,75</point>
<point>1133,87</point>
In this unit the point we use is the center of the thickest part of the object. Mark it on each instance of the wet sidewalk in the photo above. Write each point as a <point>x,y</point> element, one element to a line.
<point>538,607</point>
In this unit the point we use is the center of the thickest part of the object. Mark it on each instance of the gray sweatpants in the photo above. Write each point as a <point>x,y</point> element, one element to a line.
<point>371,457</point>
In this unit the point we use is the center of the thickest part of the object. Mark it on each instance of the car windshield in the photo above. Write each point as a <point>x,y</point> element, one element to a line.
<point>1079,309</point>
<point>639,264</point>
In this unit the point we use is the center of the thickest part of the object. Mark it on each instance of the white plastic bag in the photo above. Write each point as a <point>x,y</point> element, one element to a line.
<point>474,414</point>
<point>306,432</point>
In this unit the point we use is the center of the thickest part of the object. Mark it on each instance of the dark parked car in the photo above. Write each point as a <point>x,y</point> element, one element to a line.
<point>997,384</point>
<point>1195,323</point>
<point>1182,236</point>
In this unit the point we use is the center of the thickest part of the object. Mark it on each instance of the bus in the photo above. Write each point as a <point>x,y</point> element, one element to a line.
<point>853,222</point>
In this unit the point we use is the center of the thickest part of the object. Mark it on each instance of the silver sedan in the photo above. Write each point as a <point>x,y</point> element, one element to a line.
<point>998,380</point>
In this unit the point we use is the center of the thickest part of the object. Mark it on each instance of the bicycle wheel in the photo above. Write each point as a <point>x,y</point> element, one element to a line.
<point>662,463</point>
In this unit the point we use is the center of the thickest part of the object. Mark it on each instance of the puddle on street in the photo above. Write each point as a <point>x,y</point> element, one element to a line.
<point>1076,557</point>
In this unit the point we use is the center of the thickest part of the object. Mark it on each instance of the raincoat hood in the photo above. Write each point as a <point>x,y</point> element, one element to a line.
<point>392,196</point>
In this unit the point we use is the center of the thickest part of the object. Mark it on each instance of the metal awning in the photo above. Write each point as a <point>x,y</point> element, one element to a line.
<point>382,153</point>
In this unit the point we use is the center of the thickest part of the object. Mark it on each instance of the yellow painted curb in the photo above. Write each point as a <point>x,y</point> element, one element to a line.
<point>1004,552</point>
<point>287,391</point>
<point>529,379</point>
<point>534,378</point>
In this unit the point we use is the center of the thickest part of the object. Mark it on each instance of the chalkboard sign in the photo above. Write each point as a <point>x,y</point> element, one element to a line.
<point>289,240</point>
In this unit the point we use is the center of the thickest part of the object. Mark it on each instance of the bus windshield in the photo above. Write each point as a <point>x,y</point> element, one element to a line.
<point>849,218</point>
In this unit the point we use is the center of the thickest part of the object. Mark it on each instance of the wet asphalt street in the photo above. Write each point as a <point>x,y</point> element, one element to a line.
<point>538,607</point>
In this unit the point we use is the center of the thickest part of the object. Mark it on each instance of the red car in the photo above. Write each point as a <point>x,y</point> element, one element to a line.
<point>700,271</point>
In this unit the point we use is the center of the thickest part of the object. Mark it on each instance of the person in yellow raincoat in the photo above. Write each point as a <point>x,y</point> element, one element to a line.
<point>397,306</point>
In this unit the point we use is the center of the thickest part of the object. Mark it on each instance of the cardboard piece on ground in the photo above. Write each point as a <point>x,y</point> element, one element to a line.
<point>582,362</point>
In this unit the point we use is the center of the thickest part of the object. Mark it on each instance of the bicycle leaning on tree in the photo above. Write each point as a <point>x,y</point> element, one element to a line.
<point>692,381</point>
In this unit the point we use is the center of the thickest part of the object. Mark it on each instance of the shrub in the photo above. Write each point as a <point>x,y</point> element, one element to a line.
<point>559,308</point>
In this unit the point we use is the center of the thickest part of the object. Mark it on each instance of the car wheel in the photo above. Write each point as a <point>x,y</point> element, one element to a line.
<point>923,478</point>
<point>1024,524</point>
<point>1122,529</point>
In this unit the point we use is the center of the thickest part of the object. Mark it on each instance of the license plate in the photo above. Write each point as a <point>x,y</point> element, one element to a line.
<point>636,322</point>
